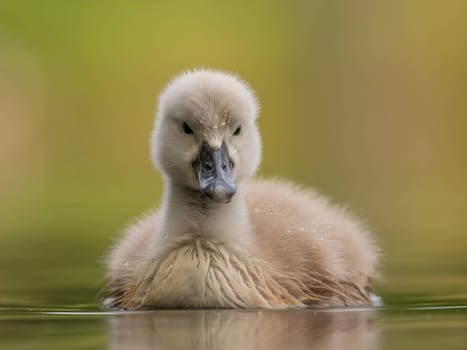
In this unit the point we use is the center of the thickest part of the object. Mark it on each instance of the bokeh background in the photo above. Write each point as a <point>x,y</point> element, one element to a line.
<point>364,100</point>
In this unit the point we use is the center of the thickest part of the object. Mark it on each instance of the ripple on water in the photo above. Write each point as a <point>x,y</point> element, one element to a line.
<point>361,328</point>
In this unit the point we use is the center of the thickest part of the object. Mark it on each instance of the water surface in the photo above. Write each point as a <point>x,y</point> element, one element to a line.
<point>88,327</point>
<point>50,299</point>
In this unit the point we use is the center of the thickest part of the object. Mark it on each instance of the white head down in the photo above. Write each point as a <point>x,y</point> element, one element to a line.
<point>205,137</point>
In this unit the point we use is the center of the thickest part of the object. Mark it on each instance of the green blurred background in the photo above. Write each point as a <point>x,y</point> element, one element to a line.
<point>364,100</point>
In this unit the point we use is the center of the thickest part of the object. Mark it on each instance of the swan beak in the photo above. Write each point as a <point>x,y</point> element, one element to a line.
<point>214,171</point>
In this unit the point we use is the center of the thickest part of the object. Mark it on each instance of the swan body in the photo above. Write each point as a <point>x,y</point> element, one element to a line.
<point>221,239</point>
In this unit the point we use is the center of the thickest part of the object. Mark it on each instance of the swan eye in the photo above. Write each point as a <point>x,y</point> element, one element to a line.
<point>187,129</point>
<point>237,131</point>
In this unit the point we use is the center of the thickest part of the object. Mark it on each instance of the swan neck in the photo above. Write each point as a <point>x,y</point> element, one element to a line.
<point>188,213</point>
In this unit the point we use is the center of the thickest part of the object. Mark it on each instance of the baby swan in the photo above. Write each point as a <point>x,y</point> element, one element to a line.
<point>221,239</point>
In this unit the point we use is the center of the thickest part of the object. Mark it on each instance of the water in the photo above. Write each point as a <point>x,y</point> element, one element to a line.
<point>29,319</point>
<point>383,328</point>
<point>49,299</point>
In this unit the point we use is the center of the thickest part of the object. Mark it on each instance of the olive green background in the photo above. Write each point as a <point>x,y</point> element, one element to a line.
<point>363,100</point>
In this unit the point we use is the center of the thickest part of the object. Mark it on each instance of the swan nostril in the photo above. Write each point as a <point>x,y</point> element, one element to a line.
<point>231,164</point>
<point>224,166</point>
<point>207,167</point>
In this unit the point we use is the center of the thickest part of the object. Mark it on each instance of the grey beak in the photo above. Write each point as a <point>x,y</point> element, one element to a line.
<point>214,170</point>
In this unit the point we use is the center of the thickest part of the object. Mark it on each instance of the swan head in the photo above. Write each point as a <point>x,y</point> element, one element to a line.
<point>205,136</point>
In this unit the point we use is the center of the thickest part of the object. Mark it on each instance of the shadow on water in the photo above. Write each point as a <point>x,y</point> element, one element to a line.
<point>55,306</point>
<point>223,329</point>
<point>427,327</point>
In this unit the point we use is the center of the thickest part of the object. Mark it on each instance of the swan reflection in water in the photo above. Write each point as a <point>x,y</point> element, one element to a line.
<point>236,329</point>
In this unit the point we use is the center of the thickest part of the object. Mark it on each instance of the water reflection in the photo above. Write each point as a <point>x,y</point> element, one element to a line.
<point>224,329</point>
